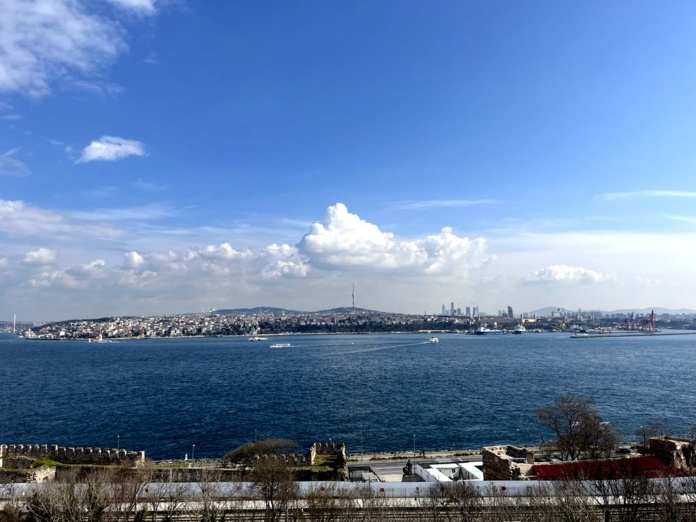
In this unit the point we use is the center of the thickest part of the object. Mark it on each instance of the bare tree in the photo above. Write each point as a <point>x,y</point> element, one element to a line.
<point>274,483</point>
<point>328,503</point>
<point>165,500</point>
<point>579,429</point>
<point>454,501</point>
<point>127,486</point>
<point>562,501</point>
<point>645,433</point>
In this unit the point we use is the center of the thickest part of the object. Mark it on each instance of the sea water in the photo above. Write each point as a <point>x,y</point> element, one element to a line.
<point>376,393</point>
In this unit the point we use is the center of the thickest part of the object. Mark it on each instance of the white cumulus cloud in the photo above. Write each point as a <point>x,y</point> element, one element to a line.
<point>345,240</point>
<point>568,274</point>
<point>111,148</point>
<point>42,256</point>
<point>132,260</point>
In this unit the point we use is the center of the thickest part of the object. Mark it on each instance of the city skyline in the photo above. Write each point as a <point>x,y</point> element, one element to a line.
<point>163,157</point>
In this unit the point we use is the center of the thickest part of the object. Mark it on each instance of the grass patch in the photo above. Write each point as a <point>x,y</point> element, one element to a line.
<point>37,463</point>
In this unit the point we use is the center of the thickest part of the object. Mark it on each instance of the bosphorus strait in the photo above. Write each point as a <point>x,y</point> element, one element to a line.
<point>373,392</point>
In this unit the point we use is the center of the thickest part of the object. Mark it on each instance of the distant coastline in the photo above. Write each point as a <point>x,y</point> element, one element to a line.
<point>274,322</point>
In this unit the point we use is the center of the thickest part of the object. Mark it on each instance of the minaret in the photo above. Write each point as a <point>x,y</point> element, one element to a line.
<point>353,295</point>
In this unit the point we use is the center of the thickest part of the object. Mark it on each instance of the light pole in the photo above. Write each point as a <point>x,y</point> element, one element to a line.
<point>362,448</point>
<point>118,443</point>
<point>193,453</point>
<point>414,445</point>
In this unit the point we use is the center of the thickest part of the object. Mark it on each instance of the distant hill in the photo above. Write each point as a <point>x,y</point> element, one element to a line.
<point>257,310</point>
<point>348,310</point>
<point>282,311</point>
<point>547,311</point>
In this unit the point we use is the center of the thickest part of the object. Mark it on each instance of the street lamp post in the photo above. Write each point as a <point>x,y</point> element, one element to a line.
<point>118,443</point>
<point>193,453</point>
<point>362,448</point>
<point>414,445</point>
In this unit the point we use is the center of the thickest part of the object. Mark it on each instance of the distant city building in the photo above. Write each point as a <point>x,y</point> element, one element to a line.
<point>510,314</point>
<point>468,311</point>
<point>444,311</point>
<point>451,308</point>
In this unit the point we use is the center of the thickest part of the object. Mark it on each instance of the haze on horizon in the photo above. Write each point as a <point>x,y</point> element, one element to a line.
<point>168,156</point>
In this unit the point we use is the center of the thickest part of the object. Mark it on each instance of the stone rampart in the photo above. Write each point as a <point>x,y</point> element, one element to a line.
<point>506,462</point>
<point>72,455</point>
<point>327,448</point>
<point>674,452</point>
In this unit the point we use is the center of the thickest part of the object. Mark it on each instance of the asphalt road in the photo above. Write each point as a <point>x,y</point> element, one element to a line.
<point>392,469</point>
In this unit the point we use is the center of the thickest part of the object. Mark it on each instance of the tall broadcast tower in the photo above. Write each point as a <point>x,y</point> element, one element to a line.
<point>353,295</point>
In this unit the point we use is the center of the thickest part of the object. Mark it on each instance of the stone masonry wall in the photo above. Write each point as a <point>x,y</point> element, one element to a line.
<point>673,451</point>
<point>70,455</point>
<point>498,463</point>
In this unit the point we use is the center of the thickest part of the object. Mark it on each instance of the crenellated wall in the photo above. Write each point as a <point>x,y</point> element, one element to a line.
<point>69,455</point>
<point>328,448</point>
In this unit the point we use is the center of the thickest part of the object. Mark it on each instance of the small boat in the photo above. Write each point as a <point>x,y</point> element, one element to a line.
<point>257,338</point>
<point>519,329</point>
<point>488,331</point>
<point>281,345</point>
<point>579,335</point>
<point>434,340</point>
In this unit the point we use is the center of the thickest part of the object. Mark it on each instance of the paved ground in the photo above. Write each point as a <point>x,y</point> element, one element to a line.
<point>389,466</point>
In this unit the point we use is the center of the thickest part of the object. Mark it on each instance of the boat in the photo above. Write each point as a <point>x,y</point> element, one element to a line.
<point>488,331</point>
<point>257,338</point>
<point>519,329</point>
<point>281,345</point>
<point>579,335</point>
<point>434,340</point>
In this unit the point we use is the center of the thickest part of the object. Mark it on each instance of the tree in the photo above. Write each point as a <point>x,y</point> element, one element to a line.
<point>246,454</point>
<point>274,483</point>
<point>645,433</point>
<point>579,429</point>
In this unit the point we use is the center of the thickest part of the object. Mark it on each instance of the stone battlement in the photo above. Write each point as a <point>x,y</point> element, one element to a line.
<point>70,455</point>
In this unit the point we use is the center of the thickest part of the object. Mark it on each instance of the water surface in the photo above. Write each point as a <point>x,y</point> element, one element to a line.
<point>374,392</point>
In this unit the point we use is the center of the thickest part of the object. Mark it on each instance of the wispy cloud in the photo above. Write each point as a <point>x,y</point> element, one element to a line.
<point>17,219</point>
<point>11,166</point>
<point>147,186</point>
<point>43,41</point>
<point>440,203</point>
<point>683,219</point>
<point>613,196</point>
<point>111,148</point>
<point>145,213</point>
<point>144,7</point>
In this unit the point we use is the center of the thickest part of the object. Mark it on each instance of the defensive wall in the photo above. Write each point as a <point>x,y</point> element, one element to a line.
<point>12,455</point>
<point>506,462</point>
<point>330,449</point>
<point>674,451</point>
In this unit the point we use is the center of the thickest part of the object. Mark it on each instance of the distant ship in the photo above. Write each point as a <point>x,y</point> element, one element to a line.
<point>257,338</point>
<point>434,340</point>
<point>519,329</point>
<point>281,345</point>
<point>488,331</point>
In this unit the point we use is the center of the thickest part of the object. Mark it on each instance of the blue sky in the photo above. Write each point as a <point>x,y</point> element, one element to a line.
<point>173,156</point>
